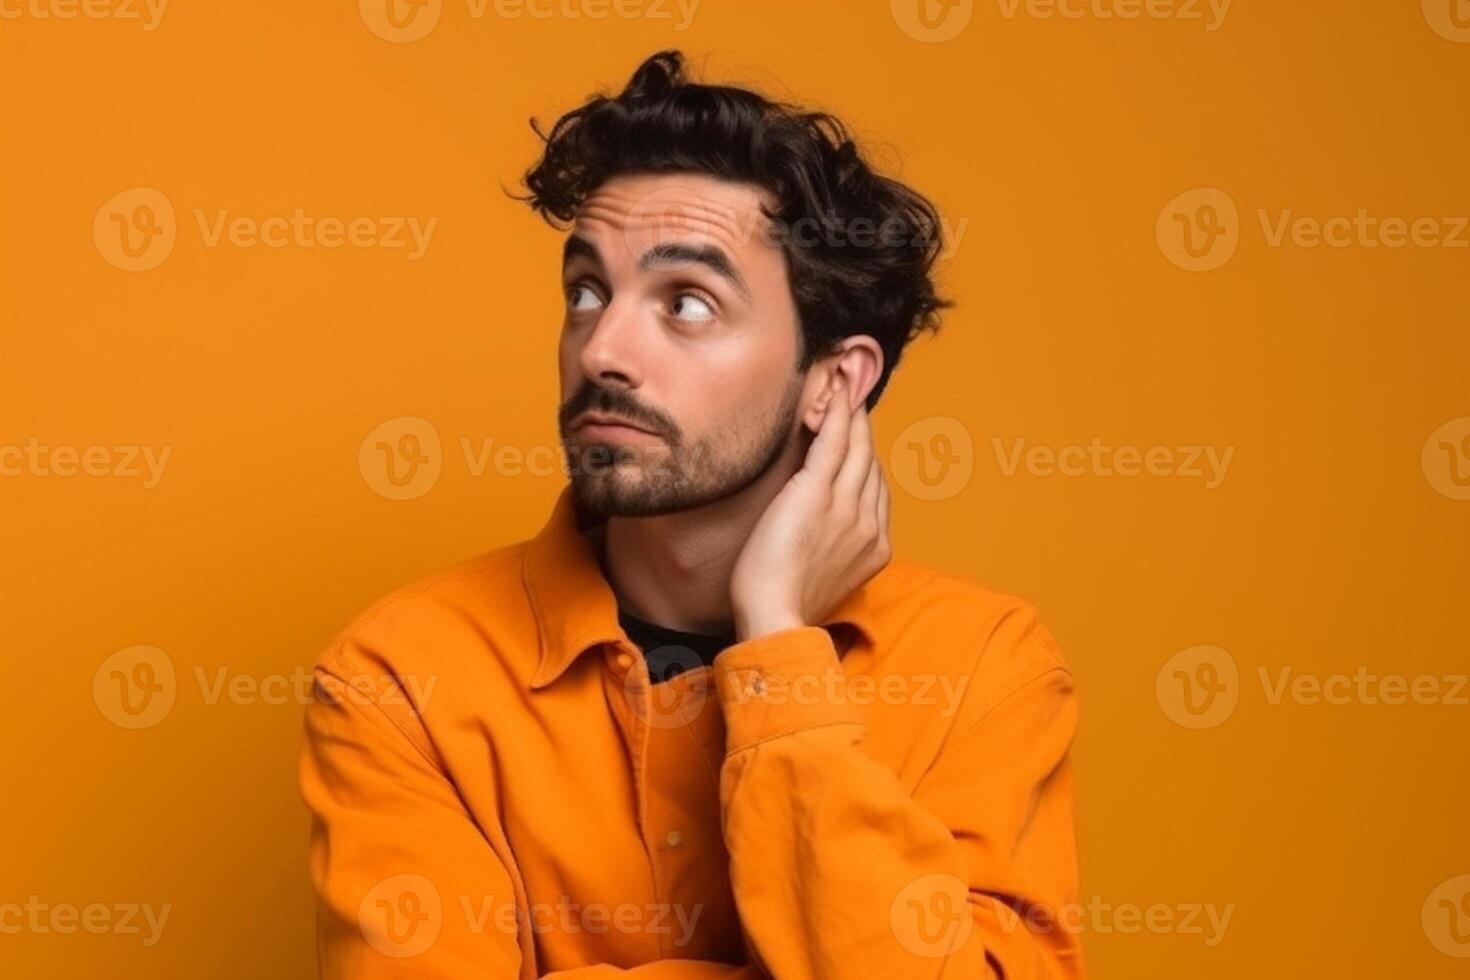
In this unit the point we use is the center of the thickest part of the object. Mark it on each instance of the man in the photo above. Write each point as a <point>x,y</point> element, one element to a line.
<point>701,725</point>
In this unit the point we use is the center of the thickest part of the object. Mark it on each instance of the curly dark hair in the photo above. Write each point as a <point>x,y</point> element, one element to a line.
<point>663,123</point>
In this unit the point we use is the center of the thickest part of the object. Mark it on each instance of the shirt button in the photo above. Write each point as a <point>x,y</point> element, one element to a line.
<point>673,838</point>
<point>624,661</point>
<point>757,685</point>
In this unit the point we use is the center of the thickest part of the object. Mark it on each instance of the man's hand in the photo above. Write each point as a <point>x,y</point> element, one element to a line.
<point>823,536</point>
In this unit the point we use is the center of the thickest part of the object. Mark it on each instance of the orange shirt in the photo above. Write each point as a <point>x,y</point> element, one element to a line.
<point>497,790</point>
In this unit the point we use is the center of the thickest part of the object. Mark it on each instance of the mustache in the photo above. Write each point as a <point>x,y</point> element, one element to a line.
<point>615,401</point>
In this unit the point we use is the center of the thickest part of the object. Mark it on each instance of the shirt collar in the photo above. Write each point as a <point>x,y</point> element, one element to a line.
<point>576,610</point>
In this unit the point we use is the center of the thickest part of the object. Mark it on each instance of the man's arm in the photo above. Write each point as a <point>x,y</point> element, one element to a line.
<point>839,872</point>
<point>394,850</point>
<point>837,869</point>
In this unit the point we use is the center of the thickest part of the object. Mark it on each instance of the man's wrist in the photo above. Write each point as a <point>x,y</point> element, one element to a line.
<point>765,621</point>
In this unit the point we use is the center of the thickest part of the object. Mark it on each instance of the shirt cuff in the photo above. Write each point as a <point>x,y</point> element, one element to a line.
<point>779,684</point>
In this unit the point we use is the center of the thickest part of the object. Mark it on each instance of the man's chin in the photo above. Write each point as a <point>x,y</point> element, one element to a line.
<point>616,493</point>
<point>624,483</point>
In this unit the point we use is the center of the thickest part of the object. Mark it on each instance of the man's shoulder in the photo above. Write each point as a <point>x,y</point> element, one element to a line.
<point>988,630</point>
<point>438,617</point>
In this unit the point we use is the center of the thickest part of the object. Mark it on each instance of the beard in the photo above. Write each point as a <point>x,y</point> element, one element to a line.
<point>623,480</point>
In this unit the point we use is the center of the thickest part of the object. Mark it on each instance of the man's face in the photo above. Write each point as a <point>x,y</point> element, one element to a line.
<point>679,321</point>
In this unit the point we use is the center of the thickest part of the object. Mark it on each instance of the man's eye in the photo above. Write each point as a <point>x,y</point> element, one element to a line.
<point>690,307</point>
<point>581,297</point>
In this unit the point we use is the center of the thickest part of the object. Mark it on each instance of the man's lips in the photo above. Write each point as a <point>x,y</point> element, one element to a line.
<point>604,426</point>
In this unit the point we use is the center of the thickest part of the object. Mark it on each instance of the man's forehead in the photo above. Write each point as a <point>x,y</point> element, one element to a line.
<point>647,209</point>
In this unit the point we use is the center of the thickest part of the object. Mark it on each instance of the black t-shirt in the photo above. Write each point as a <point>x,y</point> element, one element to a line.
<point>670,652</point>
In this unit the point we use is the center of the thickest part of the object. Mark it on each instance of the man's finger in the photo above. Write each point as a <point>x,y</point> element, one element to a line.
<point>825,455</point>
<point>882,502</point>
<point>868,502</point>
<point>854,472</point>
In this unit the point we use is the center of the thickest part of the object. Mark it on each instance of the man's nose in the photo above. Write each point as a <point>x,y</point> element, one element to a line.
<point>615,349</point>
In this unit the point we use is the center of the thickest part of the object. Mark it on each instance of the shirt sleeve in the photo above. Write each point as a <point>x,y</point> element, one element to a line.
<point>839,869</point>
<point>393,847</point>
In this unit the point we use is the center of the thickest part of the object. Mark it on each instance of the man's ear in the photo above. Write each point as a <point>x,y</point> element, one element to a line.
<point>858,361</point>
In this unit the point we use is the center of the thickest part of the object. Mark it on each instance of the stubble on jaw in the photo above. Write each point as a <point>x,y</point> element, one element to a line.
<point>676,477</point>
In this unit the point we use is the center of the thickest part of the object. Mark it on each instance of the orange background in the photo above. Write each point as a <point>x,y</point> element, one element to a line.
<point>1329,545</point>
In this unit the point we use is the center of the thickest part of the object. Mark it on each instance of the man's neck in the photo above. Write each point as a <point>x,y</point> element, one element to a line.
<point>674,570</point>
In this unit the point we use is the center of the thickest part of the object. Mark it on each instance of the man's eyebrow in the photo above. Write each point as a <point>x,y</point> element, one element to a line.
<point>577,246</point>
<point>665,253</point>
<point>708,255</point>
